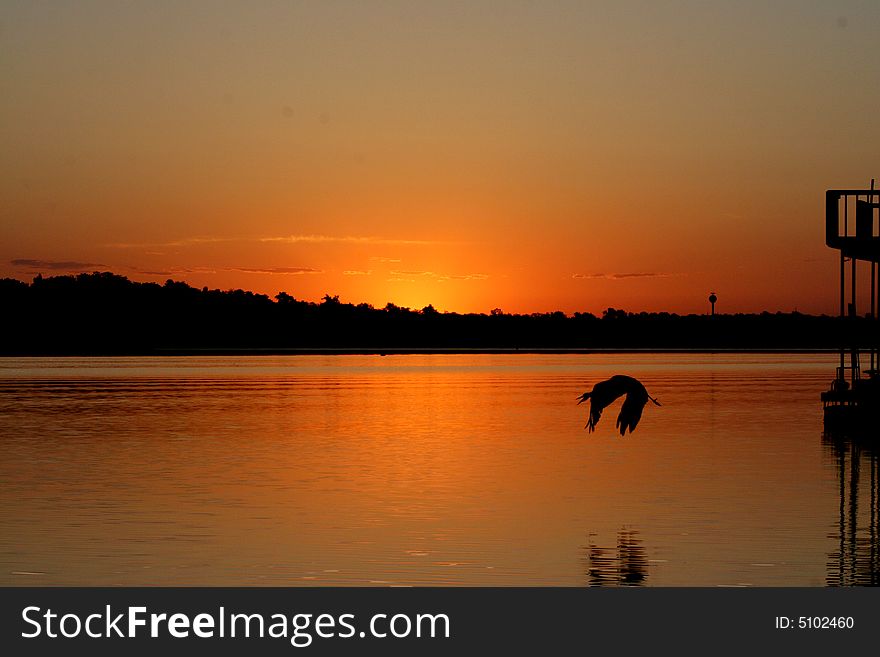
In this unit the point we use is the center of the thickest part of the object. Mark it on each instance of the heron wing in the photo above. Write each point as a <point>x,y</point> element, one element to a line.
<point>603,394</point>
<point>631,410</point>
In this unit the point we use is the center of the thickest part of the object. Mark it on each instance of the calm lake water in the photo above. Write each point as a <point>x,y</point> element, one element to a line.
<point>427,470</point>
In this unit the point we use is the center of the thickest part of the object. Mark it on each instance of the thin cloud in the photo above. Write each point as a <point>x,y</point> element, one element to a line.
<point>389,260</point>
<point>187,241</point>
<point>357,272</point>
<point>173,271</point>
<point>282,239</point>
<point>346,239</point>
<point>194,270</point>
<point>468,277</point>
<point>155,272</point>
<point>617,276</point>
<point>405,273</point>
<point>56,265</point>
<point>408,272</point>
<point>278,270</point>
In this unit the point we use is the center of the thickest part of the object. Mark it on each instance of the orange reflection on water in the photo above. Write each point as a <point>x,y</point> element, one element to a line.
<point>408,470</point>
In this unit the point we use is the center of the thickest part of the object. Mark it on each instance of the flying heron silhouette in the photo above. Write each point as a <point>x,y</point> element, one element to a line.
<point>605,392</point>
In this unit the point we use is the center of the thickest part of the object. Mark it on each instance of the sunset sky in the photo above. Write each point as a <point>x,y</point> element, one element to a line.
<point>531,156</point>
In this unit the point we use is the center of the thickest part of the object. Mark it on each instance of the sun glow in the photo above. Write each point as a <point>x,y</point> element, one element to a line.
<point>513,155</point>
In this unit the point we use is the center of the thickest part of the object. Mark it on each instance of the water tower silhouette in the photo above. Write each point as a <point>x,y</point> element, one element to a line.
<point>712,300</point>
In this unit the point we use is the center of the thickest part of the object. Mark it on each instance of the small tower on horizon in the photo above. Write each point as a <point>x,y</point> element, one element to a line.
<point>712,299</point>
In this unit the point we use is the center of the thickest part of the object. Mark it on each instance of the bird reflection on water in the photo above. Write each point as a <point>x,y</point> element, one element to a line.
<point>625,565</point>
<point>856,562</point>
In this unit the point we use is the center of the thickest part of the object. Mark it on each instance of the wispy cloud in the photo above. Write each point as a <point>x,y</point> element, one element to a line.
<point>175,271</point>
<point>406,275</point>
<point>155,272</point>
<point>467,277</point>
<point>172,271</point>
<point>345,239</point>
<point>186,241</point>
<point>278,270</point>
<point>388,260</point>
<point>409,272</point>
<point>281,239</point>
<point>617,276</point>
<point>56,265</point>
<point>357,272</point>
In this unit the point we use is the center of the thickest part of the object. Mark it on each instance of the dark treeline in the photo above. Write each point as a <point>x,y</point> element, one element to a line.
<point>103,313</point>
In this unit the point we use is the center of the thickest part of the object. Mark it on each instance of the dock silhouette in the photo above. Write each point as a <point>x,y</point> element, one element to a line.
<point>852,403</point>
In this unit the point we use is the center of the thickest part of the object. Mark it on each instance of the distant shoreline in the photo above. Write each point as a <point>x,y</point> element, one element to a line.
<point>104,314</point>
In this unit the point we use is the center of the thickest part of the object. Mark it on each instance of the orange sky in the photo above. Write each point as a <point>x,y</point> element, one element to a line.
<point>523,155</point>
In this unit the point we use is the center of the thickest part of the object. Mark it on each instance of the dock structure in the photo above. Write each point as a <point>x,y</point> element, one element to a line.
<point>852,226</point>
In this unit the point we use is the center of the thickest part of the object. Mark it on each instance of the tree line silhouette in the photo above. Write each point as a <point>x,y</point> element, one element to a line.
<point>104,313</point>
